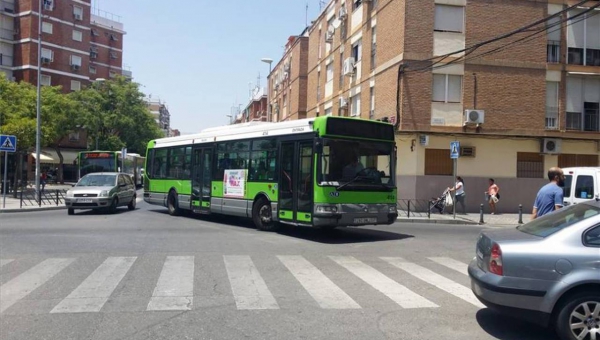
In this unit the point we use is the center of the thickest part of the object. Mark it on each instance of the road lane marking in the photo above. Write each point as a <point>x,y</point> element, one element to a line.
<point>5,262</point>
<point>249,289</point>
<point>327,294</point>
<point>435,279</point>
<point>452,264</point>
<point>19,287</point>
<point>175,287</point>
<point>390,288</point>
<point>94,291</point>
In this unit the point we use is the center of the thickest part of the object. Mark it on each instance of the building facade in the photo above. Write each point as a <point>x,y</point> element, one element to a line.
<point>288,81</point>
<point>160,113</point>
<point>517,105</point>
<point>78,45</point>
<point>255,110</point>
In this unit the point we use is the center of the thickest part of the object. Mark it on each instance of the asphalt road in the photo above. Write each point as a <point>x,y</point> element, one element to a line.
<point>146,275</point>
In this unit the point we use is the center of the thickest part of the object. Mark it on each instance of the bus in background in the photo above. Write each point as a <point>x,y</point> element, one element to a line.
<point>322,172</point>
<point>111,161</point>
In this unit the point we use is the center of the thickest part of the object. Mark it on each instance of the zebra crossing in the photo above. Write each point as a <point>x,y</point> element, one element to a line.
<point>173,287</point>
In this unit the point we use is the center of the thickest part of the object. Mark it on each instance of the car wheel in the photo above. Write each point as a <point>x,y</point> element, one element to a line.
<point>172,204</point>
<point>113,206</point>
<point>131,205</point>
<point>71,211</point>
<point>262,216</point>
<point>579,317</point>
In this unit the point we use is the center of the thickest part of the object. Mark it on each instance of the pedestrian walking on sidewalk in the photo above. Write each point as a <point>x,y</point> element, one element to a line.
<point>493,195</point>
<point>550,197</point>
<point>43,179</point>
<point>459,187</point>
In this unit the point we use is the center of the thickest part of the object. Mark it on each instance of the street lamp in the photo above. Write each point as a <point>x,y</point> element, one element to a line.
<point>268,61</point>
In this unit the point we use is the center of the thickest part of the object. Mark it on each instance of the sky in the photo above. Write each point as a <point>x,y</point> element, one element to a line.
<point>199,56</point>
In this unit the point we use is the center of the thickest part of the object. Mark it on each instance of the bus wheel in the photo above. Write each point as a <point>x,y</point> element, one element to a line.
<point>262,216</point>
<point>172,204</point>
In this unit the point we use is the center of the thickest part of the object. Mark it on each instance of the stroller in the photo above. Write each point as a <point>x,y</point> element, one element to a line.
<point>440,202</point>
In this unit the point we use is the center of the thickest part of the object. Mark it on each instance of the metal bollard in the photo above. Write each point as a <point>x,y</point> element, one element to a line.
<point>520,213</point>
<point>481,213</point>
<point>57,197</point>
<point>429,211</point>
<point>408,215</point>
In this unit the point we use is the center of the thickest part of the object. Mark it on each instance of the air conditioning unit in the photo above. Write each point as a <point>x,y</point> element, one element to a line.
<point>343,102</point>
<point>75,67</point>
<point>551,145</point>
<point>467,151</point>
<point>474,116</point>
<point>78,16</point>
<point>45,60</point>
<point>343,13</point>
<point>348,66</point>
<point>424,140</point>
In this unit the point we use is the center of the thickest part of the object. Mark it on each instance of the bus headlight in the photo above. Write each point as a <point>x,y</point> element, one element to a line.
<point>320,209</point>
<point>103,193</point>
<point>393,209</point>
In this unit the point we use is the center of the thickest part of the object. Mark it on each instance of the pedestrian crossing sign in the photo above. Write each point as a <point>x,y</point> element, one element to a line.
<point>8,143</point>
<point>454,149</point>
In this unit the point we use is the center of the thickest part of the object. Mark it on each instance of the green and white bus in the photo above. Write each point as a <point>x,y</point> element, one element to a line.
<point>323,172</point>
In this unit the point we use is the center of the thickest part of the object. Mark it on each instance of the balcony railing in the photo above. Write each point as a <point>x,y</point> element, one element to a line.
<point>553,51</point>
<point>551,118</point>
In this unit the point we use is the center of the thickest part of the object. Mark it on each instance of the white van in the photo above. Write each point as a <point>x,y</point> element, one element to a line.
<point>581,184</point>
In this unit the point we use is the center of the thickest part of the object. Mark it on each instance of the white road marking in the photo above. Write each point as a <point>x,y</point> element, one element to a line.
<point>175,287</point>
<point>19,287</point>
<point>249,289</point>
<point>452,264</point>
<point>435,279</point>
<point>392,289</point>
<point>5,262</point>
<point>327,294</point>
<point>94,291</point>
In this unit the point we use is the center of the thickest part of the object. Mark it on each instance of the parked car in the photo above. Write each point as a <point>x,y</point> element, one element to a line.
<point>546,271</point>
<point>581,184</point>
<point>102,190</point>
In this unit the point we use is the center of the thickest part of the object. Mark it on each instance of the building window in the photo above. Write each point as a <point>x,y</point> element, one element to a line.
<point>329,72</point>
<point>45,80</point>
<point>582,38</point>
<point>48,5</point>
<point>591,116</point>
<point>320,43</point>
<point>356,4</point>
<point>573,120</point>
<point>447,88</point>
<point>75,60</point>
<point>373,48</point>
<point>318,86</point>
<point>92,69</point>
<point>95,32</point>
<point>438,162</point>
<point>75,85</point>
<point>93,52</point>
<point>47,55</point>
<point>355,105</point>
<point>47,27</point>
<point>357,50</point>
<point>553,51</point>
<point>77,35</point>
<point>552,105</point>
<point>73,136</point>
<point>112,74</point>
<point>530,165</point>
<point>329,111</point>
<point>449,18</point>
<point>372,102</point>
<point>341,80</point>
<point>113,55</point>
<point>78,12</point>
<point>566,160</point>
<point>113,37</point>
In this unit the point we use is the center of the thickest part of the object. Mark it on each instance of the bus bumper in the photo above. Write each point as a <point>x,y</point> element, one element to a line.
<point>346,215</point>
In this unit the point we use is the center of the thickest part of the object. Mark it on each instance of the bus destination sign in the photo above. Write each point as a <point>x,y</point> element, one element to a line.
<point>97,155</point>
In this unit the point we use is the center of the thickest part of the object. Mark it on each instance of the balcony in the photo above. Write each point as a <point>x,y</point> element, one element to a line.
<point>106,19</point>
<point>553,51</point>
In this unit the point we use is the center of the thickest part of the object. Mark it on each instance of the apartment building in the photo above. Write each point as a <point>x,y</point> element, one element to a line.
<point>79,44</point>
<point>288,80</point>
<point>517,106</point>
<point>161,115</point>
<point>255,110</point>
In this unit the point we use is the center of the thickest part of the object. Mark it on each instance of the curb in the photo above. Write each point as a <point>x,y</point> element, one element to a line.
<point>24,210</point>
<point>436,221</point>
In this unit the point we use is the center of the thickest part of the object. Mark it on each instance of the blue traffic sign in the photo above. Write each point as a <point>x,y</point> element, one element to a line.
<point>8,143</point>
<point>454,149</point>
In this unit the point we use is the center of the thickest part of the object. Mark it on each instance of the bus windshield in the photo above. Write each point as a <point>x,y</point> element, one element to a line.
<point>96,164</point>
<point>356,163</point>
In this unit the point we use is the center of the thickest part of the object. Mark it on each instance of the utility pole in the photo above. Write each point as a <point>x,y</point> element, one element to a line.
<point>38,135</point>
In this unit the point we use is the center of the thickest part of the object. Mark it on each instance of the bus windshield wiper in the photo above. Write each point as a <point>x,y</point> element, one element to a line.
<point>356,178</point>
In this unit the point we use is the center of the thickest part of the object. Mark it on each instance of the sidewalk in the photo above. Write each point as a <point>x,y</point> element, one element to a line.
<point>468,219</point>
<point>14,204</point>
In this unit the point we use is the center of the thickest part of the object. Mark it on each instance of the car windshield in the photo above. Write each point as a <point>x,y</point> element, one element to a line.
<point>558,220</point>
<point>98,181</point>
<point>362,163</point>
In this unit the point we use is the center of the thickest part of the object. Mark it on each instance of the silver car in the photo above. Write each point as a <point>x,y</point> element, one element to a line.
<point>546,271</point>
<point>103,190</point>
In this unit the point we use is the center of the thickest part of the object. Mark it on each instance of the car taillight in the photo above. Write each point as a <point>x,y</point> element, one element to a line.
<point>496,260</point>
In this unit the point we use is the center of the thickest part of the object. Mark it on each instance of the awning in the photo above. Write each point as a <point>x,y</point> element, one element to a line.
<point>50,156</point>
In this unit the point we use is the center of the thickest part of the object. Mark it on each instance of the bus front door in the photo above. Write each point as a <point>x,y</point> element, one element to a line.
<point>202,158</point>
<point>296,182</point>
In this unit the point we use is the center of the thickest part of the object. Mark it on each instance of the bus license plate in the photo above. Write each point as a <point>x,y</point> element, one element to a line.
<point>84,200</point>
<point>365,220</point>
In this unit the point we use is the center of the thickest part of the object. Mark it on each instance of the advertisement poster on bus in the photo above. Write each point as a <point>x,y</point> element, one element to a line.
<point>234,183</point>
